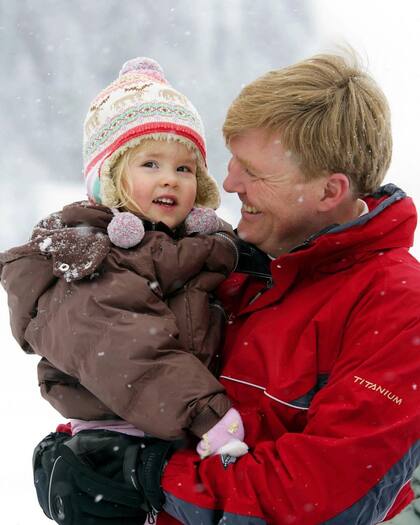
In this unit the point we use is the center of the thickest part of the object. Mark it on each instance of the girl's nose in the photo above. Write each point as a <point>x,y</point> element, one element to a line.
<point>169,178</point>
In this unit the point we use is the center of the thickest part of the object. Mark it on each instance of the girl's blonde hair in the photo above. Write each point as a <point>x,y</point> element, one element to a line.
<point>329,113</point>
<point>119,176</point>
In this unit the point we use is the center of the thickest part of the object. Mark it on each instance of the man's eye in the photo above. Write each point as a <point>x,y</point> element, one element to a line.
<point>150,164</point>
<point>248,172</point>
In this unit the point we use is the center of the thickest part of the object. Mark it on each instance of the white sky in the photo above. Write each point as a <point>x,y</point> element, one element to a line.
<point>388,34</point>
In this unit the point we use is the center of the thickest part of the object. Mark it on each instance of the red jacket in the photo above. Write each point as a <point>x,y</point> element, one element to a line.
<point>324,367</point>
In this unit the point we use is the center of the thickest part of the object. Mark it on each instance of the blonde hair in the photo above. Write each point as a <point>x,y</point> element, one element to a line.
<point>330,114</point>
<point>119,176</point>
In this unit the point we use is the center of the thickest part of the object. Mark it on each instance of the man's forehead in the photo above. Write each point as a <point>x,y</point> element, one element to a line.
<point>257,138</point>
<point>260,156</point>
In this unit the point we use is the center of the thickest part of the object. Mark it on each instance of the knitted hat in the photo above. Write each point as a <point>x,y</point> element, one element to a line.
<point>140,105</point>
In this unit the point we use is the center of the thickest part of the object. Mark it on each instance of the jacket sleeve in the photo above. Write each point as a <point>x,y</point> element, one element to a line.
<point>177,262</point>
<point>23,300</point>
<point>68,396</point>
<point>189,272</point>
<point>117,336</point>
<point>357,452</point>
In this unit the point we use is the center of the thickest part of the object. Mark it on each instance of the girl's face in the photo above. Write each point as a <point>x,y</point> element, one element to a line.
<point>162,181</point>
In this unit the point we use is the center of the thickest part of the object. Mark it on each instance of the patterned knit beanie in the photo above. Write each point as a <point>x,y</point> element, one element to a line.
<point>140,105</point>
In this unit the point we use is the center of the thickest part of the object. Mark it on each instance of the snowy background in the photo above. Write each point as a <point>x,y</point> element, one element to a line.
<point>56,55</point>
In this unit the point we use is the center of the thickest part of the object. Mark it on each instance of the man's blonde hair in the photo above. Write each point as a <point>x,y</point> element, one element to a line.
<point>330,114</point>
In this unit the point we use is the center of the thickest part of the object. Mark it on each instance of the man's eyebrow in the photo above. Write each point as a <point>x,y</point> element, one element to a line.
<point>248,165</point>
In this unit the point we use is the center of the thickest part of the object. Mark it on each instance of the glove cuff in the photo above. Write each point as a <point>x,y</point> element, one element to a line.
<point>151,462</point>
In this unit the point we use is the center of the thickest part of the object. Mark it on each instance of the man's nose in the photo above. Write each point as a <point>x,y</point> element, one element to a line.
<point>232,182</point>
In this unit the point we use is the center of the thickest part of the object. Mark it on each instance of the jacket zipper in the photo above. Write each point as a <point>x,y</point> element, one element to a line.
<point>50,488</point>
<point>233,244</point>
<point>268,285</point>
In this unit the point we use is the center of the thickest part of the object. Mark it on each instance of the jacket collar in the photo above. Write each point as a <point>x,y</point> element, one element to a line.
<point>380,200</point>
<point>97,216</point>
<point>389,224</point>
<point>359,231</point>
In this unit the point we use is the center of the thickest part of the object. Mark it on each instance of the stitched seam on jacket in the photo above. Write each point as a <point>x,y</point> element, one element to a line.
<point>264,392</point>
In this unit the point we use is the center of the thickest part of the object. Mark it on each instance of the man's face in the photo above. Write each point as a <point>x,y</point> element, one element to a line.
<point>279,208</point>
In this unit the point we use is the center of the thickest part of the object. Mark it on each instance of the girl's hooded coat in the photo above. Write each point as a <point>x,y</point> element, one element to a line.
<point>122,332</point>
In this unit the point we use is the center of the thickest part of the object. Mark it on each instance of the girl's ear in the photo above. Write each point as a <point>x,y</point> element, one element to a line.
<point>335,190</point>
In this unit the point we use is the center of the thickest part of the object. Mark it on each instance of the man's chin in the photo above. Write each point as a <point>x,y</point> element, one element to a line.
<point>257,240</point>
<point>245,234</point>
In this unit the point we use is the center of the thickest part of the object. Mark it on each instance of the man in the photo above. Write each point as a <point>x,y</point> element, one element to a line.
<point>322,358</point>
<point>321,354</point>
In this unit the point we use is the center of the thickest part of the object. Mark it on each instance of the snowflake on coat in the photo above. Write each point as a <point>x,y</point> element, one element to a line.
<point>76,251</point>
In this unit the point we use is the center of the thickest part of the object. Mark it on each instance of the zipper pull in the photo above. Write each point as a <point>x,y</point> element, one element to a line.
<point>268,285</point>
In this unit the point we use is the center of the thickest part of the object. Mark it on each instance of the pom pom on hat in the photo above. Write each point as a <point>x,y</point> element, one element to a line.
<point>125,230</point>
<point>144,65</point>
<point>202,220</point>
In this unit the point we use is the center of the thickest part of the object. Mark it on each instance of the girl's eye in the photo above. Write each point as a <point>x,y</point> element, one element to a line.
<point>185,169</point>
<point>150,164</point>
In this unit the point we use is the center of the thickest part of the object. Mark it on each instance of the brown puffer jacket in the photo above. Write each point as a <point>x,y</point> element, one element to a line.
<point>122,332</point>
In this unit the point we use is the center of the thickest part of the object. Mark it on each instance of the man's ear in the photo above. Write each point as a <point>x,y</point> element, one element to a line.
<point>336,189</point>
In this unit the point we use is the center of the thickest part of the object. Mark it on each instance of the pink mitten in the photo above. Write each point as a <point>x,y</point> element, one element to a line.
<point>202,220</point>
<point>226,437</point>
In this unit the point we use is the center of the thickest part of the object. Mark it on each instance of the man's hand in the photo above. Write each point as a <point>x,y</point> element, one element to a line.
<point>99,477</point>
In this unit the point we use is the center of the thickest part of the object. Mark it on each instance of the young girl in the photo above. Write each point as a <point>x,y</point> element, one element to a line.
<point>114,293</point>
